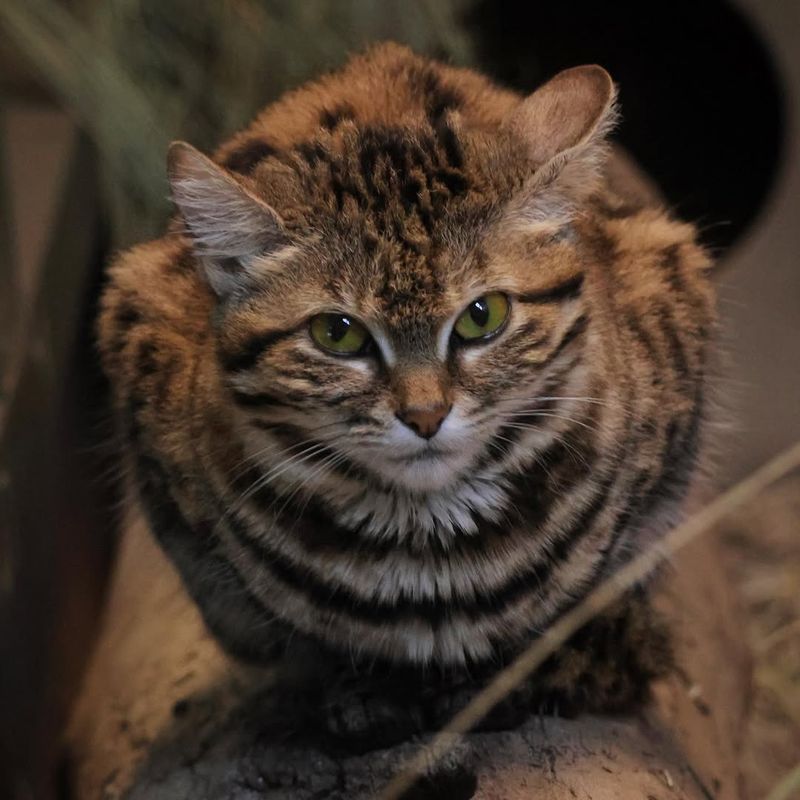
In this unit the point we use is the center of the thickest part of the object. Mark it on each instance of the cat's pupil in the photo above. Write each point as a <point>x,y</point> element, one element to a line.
<point>337,328</point>
<point>479,312</point>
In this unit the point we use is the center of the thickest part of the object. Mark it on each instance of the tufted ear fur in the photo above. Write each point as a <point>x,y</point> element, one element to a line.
<point>235,234</point>
<point>564,125</point>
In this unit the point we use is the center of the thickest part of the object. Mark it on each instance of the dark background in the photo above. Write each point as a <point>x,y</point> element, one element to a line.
<point>702,105</point>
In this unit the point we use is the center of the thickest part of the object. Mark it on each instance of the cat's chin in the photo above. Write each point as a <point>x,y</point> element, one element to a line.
<point>423,474</point>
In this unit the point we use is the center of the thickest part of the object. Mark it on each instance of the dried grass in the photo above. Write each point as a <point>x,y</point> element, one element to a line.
<point>139,73</point>
<point>763,543</point>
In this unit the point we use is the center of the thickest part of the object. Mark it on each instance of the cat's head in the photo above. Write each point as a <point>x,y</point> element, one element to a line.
<point>403,297</point>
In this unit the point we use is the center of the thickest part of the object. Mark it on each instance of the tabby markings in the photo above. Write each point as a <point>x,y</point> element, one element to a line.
<point>567,290</point>
<point>248,356</point>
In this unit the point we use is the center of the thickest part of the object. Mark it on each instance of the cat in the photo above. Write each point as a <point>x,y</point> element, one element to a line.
<point>410,374</point>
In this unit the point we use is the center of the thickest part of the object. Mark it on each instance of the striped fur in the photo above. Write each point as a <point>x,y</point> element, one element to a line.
<point>278,478</point>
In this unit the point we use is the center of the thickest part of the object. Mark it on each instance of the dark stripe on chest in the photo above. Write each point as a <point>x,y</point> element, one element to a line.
<point>533,499</point>
<point>327,596</point>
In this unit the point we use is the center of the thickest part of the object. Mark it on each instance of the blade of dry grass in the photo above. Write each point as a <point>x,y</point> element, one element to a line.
<point>788,787</point>
<point>88,77</point>
<point>138,73</point>
<point>599,599</point>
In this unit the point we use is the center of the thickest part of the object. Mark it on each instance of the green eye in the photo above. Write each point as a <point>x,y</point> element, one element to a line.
<point>339,334</point>
<point>483,317</point>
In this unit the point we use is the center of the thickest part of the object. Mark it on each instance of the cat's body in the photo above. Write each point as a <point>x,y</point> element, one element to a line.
<point>430,499</point>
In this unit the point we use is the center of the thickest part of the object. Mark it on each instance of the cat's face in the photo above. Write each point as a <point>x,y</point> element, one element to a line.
<point>399,301</point>
<point>409,367</point>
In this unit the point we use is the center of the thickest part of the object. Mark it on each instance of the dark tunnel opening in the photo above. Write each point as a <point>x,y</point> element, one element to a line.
<point>702,106</point>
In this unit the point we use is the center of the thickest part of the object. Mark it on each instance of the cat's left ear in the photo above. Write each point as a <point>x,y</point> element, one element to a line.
<point>563,125</point>
<point>232,229</point>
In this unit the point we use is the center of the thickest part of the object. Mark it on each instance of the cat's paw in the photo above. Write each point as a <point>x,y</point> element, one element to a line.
<point>359,720</point>
<point>608,666</point>
<point>509,713</point>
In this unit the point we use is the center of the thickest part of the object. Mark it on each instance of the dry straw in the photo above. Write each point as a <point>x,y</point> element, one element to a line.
<point>787,788</point>
<point>138,73</point>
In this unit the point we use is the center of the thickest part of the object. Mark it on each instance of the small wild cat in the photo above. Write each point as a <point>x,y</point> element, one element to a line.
<point>408,376</point>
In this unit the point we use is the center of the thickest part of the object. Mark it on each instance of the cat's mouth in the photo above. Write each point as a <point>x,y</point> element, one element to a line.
<point>418,465</point>
<point>429,468</point>
<point>428,454</point>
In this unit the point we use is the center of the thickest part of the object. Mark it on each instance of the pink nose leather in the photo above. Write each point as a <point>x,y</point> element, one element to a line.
<point>425,421</point>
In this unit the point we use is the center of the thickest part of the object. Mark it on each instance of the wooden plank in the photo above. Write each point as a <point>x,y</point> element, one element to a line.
<point>55,537</point>
<point>8,269</point>
<point>35,147</point>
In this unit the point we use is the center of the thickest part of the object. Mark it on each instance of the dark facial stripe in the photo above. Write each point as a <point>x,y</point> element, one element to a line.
<point>500,445</point>
<point>576,329</point>
<point>503,441</point>
<point>295,399</point>
<point>290,434</point>
<point>257,399</point>
<point>146,361</point>
<point>568,290</point>
<point>629,514</point>
<point>678,458</point>
<point>126,315</point>
<point>630,482</point>
<point>248,355</point>
<point>530,335</point>
<point>671,264</point>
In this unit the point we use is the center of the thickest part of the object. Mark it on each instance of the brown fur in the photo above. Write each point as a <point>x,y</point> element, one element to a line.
<point>398,190</point>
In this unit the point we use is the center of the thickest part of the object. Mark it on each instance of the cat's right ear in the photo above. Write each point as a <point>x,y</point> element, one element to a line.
<point>234,232</point>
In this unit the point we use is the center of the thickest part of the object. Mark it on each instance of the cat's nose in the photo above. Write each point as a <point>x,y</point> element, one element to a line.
<point>425,421</point>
